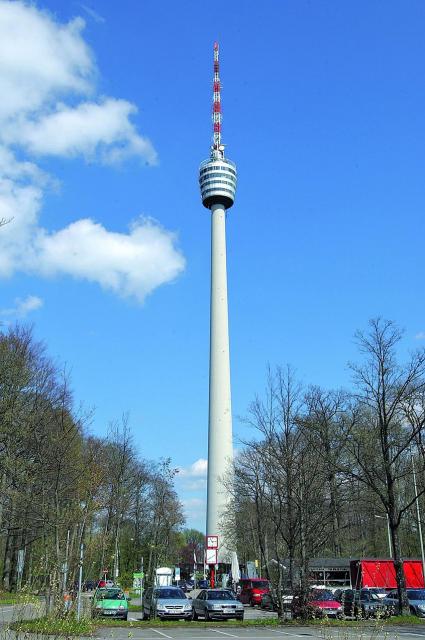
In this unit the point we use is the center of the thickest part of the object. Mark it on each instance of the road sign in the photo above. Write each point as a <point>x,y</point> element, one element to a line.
<point>177,573</point>
<point>138,575</point>
<point>212,542</point>
<point>211,556</point>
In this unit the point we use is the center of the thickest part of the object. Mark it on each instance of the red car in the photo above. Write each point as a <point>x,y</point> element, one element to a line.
<point>252,589</point>
<point>321,603</point>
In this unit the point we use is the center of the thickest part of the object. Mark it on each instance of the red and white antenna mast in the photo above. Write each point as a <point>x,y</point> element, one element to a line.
<point>217,147</point>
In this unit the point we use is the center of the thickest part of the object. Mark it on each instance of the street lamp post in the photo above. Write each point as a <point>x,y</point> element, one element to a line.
<point>389,533</point>
<point>80,580</point>
<point>418,514</point>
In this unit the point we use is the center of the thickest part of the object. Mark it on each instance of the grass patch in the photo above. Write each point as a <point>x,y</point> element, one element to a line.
<point>134,607</point>
<point>16,598</point>
<point>67,626</point>
<point>259,622</point>
<point>405,620</point>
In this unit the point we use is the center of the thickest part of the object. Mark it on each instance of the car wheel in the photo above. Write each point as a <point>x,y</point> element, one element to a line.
<point>126,616</point>
<point>251,603</point>
<point>145,616</point>
<point>194,615</point>
<point>239,617</point>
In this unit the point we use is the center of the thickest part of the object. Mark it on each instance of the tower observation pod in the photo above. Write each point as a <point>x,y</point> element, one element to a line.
<point>217,180</point>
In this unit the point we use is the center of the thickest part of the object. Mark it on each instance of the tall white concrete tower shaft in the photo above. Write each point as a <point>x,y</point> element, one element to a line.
<point>217,180</point>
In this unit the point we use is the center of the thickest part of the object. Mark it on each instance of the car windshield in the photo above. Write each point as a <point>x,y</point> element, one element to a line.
<point>322,595</point>
<point>220,595</point>
<point>418,594</point>
<point>169,594</point>
<point>369,595</point>
<point>111,594</point>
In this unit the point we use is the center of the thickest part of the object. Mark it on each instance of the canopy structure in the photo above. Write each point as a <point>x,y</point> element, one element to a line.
<point>381,574</point>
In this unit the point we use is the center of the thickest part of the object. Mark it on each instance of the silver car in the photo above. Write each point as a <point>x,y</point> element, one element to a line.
<point>166,603</point>
<point>217,603</point>
<point>416,598</point>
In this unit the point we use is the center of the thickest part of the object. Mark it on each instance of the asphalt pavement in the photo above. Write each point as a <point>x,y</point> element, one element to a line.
<point>262,633</point>
<point>9,613</point>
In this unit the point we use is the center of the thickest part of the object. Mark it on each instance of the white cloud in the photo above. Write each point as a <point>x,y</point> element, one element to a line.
<point>130,264</point>
<point>23,307</point>
<point>420,335</point>
<point>49,107</point>
<point>100,131</point>
<point>197,484</point>
<point>40,59</point>
<point>197,469</point>
<point>194,510</point>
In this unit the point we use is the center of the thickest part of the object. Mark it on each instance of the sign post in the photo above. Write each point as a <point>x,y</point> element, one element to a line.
<point>211,556</point>
<point>139,575</point>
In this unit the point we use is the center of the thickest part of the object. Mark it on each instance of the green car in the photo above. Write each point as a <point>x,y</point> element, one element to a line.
<point>110,602</point>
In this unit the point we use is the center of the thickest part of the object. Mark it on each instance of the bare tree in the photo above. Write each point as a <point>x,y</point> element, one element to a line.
<point>383,425</point>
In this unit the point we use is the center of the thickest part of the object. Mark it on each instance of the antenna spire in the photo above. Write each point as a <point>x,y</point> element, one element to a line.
<point>217,148</point>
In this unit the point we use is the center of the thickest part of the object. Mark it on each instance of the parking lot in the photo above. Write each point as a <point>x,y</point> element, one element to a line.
<point>262,633</point>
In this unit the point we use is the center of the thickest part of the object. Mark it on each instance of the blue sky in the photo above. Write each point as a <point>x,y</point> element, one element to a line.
<point>105,121</point>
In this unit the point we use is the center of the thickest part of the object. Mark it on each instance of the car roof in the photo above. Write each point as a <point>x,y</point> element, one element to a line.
<point>164,586</point>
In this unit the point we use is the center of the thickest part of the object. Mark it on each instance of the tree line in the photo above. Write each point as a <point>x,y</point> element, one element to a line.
<point>325,468</point>
<point>61,487</point>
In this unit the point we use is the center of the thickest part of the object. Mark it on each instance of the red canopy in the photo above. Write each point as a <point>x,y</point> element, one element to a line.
<point>414,574</point>
<point>378,573</point>
<point>381,573</point>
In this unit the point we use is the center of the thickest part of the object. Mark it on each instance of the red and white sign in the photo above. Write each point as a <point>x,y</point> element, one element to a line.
<point>212,542</point>
<point>211,556</point>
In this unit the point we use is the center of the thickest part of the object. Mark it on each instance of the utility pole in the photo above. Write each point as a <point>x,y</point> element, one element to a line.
<point>418,514</point>
<point>80,581</point>
<point>116,559</point>
<point>66,563</point>
<point>141,580</point>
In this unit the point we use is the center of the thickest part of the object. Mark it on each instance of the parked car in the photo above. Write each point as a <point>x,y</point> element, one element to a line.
<point>416,598</point>
<point>166,603</point>
<point>202,584</point>
<point>269,602</point>
<point>252,589</point>
<point>110,602</point>
<point>183,585</point>
<point>380,592</point>
<point>365,604</point>
<point>89,585</point>
<point>320,603</point>
<point>217,603</point>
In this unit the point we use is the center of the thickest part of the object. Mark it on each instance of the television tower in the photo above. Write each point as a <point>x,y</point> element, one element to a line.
<point>217,179</point>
